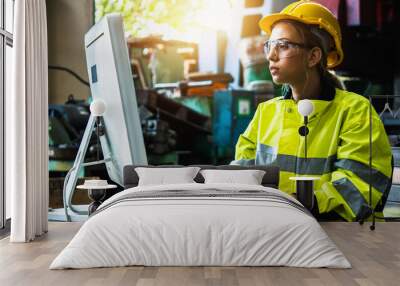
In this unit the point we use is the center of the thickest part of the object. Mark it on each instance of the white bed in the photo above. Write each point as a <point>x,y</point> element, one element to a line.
<point>249,225</point>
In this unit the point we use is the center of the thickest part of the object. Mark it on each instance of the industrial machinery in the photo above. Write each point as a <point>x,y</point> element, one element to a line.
<point>233,111</point>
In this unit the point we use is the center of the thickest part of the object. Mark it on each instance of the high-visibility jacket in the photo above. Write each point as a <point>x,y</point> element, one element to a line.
<point>338,150</point>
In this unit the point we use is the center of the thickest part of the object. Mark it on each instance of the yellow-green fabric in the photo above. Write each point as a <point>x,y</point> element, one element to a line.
<point>337,150</point>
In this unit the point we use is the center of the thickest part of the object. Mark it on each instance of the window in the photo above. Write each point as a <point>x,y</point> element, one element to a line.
<point>6,44</point>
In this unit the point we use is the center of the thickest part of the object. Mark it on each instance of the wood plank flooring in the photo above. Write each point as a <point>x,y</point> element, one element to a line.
<point>375,256</point>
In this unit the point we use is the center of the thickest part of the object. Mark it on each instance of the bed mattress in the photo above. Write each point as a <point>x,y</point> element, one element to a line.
<point>201,225</point>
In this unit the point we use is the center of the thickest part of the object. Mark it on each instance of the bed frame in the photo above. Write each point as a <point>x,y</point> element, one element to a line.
<point>270,179</point>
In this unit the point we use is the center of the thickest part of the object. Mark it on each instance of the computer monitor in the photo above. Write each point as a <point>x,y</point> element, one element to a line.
<point>111,80</point>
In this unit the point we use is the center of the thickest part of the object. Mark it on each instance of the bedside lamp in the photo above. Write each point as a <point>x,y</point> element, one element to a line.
<point>305,185</point>
<point>97,188</point>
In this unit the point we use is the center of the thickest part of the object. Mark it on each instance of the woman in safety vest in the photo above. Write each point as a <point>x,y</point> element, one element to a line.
<point>304,41</point>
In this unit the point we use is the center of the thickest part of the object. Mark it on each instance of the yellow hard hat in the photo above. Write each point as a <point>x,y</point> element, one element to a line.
<point>309,12</point>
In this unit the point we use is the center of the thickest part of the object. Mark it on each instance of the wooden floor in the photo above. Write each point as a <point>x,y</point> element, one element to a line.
<point>375,257</point>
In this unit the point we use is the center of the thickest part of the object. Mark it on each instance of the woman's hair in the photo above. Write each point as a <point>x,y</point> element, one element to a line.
<point>313,36</point>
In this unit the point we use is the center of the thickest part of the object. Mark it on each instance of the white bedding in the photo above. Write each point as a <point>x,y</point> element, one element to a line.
<point>182,231</point>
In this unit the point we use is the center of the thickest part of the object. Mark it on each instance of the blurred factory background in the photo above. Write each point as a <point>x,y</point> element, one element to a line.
<point>199,72</point>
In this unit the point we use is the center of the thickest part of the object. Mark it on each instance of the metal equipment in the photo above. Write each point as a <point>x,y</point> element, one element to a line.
<point>233,111</point>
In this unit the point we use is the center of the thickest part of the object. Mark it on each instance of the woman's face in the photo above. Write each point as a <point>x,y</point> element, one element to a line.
<point>290,67</point>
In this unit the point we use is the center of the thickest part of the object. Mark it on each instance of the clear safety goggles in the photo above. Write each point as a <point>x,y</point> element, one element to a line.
<point>283,48</point>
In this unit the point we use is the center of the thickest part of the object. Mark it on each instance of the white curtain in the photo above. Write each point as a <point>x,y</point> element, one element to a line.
<point>27,123</point>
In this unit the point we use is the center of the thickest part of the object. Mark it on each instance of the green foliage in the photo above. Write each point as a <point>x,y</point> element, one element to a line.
<point>142,17</point>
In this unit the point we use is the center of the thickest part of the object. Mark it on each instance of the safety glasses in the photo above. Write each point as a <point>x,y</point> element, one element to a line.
<point>283,48</point>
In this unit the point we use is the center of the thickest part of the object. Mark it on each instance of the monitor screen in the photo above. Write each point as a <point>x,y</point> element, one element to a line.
<point>111,81</point>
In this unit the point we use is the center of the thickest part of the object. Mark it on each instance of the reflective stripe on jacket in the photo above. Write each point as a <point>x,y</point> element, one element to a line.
<point>337,150</point>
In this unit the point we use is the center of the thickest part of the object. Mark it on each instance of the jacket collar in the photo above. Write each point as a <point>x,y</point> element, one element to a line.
<point>327,91</point>
<point>326,98</point>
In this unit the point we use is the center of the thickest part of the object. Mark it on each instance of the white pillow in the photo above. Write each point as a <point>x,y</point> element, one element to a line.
<point>248,177</point>
<point>163,176</point>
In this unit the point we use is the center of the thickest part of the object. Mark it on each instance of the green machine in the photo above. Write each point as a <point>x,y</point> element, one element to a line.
<point>232,112</point>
